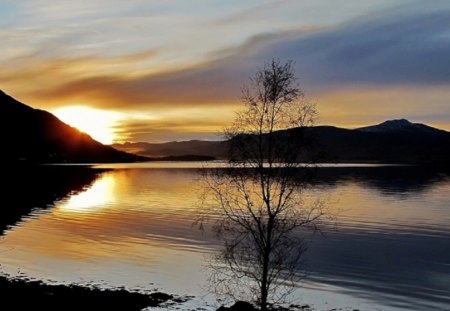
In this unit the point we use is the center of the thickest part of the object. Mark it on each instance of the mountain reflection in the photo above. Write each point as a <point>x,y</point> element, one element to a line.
<point>26,188</point>
<point>131,227</point>
<point>388,180</point>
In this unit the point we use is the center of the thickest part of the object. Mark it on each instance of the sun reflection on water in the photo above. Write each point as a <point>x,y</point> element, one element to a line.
<point>132,227</point>
<point>100,194</point>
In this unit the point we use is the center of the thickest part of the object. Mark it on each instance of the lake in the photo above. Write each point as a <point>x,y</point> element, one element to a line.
<point>132,226</point>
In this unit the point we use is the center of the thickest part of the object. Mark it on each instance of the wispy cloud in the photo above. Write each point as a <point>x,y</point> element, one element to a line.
<point>154,56</point>
<point>404,46</point>
<point>393,49</point>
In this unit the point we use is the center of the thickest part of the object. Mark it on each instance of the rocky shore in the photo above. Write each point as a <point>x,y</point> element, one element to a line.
<point>35,295</point>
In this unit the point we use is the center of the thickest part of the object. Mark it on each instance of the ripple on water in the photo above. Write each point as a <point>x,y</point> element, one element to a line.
<point>134,227</point>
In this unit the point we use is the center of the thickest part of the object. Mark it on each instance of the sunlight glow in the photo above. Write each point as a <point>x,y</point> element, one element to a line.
<point>99,124</point>
<point>101,193</point>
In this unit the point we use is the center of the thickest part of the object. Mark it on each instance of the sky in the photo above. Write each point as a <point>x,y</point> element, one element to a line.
<point>151,70</point>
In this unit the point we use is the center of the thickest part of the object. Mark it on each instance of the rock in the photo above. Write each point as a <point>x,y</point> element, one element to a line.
<point>161,297</point>
<point>239,306</point>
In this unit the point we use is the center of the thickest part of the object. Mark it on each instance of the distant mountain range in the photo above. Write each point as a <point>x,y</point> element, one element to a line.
<point>394,141</point>
<point>32,135</point>
<point>193,148</point>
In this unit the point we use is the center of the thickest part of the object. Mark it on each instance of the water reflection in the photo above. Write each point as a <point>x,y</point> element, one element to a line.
<point>100,194</point>
<point>133,226</point>
<point>127,228</point>
<point>396,181</point>
<point>27,188</point>
<point>403,269</point>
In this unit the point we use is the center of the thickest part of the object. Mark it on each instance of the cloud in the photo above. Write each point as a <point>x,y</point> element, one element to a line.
<point>182,36</point>
<point>407,46</point>
<point>149,62</point>
<point>175,124</point>
<point>398,47</point>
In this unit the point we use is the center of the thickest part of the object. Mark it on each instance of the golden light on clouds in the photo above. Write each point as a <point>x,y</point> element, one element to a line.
<point>99,124</point>
<point>174,71</point>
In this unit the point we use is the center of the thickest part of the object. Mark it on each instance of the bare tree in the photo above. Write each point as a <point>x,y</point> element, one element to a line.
<point>259,202</point>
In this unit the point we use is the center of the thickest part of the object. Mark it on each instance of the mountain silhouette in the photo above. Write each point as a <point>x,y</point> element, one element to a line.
<point>393,141</point>
<point>33,135</point>
<point>405,127</point>
<point>214,149</point>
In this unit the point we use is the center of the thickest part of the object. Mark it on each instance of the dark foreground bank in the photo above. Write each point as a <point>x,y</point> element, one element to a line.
<point>35,295</point>
<point>18,294</point>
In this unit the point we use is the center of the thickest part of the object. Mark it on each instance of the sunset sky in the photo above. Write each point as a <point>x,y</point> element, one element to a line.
<point>152,70</point>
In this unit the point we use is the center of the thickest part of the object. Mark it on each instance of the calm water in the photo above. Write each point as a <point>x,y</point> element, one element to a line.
<point>131,225</point>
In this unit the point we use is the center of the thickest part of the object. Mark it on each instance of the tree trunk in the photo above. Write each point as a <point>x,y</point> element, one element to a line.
<point>264,289</point>
<point>266,264</point>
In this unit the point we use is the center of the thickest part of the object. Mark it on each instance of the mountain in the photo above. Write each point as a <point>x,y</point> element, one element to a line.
<point>33,135</point>
<point>405,127</point>
<point>215,149</point>
<point>393,141</point>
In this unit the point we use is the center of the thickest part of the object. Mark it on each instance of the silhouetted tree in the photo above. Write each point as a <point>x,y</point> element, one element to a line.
<point>259,199</point>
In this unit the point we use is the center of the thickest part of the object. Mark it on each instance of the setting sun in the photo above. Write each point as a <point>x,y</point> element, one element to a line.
<point>99,124</point>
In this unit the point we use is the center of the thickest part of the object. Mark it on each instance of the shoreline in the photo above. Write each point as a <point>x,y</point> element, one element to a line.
<point>22,294</point>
